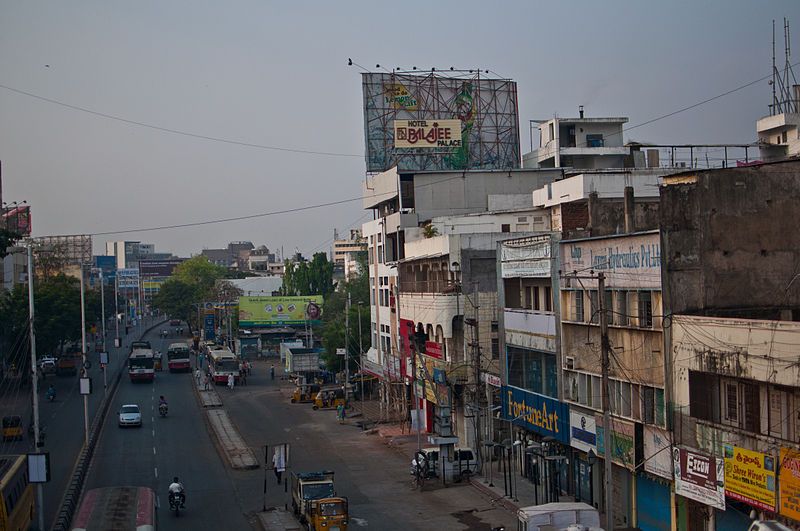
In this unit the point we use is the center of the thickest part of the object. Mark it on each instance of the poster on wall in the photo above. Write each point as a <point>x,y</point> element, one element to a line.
<point>699,477</point>
<point>789,481</point>
<point>657,454</point>
<point>750,477</point>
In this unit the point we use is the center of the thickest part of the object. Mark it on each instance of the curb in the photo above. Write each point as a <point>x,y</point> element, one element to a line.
<point>70,500</point>
<point>502,501</point>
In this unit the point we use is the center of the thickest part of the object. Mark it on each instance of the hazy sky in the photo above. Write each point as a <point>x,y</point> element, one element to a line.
<point>276,74</point>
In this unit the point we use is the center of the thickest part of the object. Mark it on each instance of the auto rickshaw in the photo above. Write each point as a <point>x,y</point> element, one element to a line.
<point>305,393</point>
<point>157,365</point>
<point>329,398</point>
<point>12,428</point>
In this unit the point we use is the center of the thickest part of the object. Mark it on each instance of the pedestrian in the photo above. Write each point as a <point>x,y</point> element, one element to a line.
<point>243,376</point>
<point>231,382</point>
<point>279,461</point>
<point>272,372</point>
<point>197,375</point>
<point>340,413</point>
<point>205,382</point>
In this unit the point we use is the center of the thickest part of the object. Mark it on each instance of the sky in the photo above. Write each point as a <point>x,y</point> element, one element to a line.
<point>275,74</point>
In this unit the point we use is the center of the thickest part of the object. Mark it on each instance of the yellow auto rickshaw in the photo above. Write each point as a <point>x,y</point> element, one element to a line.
<point>331,397</point>
<point>12,428</point>
<point>157,365</point>
<point>305,393</point>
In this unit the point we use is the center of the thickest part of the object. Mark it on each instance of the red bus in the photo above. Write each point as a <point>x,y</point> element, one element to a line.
<point>221,363</point>
<point>141,365</point>
<point>178,357</point>
<point>123,508</point>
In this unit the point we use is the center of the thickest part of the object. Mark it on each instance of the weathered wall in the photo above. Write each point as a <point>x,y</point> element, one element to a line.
<point>730,240</point>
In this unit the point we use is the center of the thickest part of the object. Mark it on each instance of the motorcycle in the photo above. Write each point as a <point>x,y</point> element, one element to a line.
<point>177,502</point>
<point>162,410</point>
<point>50,395</point>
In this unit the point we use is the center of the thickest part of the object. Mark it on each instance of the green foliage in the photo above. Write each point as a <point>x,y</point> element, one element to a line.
<point>201,275</point>
<point>334,322</point>
<point>175,298</point>
<point>308,278</point>
<point>429,231</point>
<point>58,314</point>
<point>7,239</point>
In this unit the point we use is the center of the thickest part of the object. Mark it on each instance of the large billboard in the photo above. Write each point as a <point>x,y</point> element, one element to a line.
<point>279,311</point>
<point>428,121</point>
<point>158,268</point>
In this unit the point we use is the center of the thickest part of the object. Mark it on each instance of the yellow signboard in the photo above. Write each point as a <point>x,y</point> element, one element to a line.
<point>427,133</point>
<point>789,479</point>
<point>750,477</point>
<point>279,311</point>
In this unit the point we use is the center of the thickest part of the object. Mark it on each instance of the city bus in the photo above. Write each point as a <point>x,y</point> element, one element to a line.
<point>16,493</point>
<point>178,357</point>
<point>123,508</point>
<point>221,363</point>
<point>141,365</point>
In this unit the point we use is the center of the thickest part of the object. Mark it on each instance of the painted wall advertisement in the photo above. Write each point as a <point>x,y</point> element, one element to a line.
<point>623,436</point>
<point>427,133</point>
<point>279,311</point>
<point>789,480</point>
<point>583,431</point>
<point>750,477</point>
<point>537,413</point>
<point>699,477</point>
<point>634,260</point>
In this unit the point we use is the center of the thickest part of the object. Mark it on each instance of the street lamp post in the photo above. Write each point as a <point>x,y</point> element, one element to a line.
<point>117,341</point>
<point>37,434</point>
<point>83,369</point>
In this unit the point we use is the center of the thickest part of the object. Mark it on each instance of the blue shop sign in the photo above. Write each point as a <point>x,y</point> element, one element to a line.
<point>536,413</point>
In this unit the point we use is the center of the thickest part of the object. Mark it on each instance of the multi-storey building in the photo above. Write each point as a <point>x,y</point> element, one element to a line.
<point>732,305</point>
<point>345,253</point>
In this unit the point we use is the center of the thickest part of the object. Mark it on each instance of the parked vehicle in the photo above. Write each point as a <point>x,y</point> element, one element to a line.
<point>48,365</point>
<point>305,393</point>
<point>315,502</point>
<point>557,516</point>
<point>464,463</point>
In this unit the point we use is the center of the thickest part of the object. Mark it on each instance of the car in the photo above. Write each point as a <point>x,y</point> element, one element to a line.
<point>174,322</point>
<point>130,415</point>
<point>47,365</point>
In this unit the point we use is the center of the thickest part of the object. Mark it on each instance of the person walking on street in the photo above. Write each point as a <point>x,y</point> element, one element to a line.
<point>340,413</point>
<point>205,382</point>
<point>197,375</point>
<point>272,372</point>
<point>231,382</point>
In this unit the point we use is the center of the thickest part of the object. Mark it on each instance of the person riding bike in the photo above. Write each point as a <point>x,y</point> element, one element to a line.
<point>162,400</point>
<point>51,392</point>
<point>176,491</point>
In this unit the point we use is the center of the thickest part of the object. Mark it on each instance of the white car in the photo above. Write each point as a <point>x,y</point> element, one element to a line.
<point>129,415</point>
<point>47,365</point>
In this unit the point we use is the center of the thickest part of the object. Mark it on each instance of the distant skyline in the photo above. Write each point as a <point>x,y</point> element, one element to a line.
<point>276,74</point>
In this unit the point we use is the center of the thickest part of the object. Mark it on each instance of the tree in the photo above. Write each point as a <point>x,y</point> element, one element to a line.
<point>7,239</point>
<point>175,298</point>
<point>200,274</point>
<point>308,278</point>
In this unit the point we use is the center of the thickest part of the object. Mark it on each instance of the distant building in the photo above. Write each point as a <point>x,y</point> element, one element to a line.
<point>234,256</point>
<point>345,253</point>
<point>779,133</point>
<point>128,253</point>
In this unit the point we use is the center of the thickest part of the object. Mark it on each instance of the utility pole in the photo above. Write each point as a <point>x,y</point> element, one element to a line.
<point>103,321</point>
<point>606,362</point>
<point>83,367</point>
<point>37,434</point>
<point>476,358</point>
<point>346,348</point>
<point>361,357</point>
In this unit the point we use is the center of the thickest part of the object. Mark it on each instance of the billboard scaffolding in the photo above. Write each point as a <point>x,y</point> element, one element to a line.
<point>416,105</point>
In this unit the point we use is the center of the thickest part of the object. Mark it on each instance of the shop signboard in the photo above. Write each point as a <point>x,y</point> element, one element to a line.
<point>208,326</point>
<point>750,477</point>
<point>583,431</point>
<point>622,441</point>
<point>657,455</point>
<point>699,477</point>
<point>434,350</point>
<point>628,261</point>
<point>537,413</point>
<point>279,311</point>
<point>789,481</point>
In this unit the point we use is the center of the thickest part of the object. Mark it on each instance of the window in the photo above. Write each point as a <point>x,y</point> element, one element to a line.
<point>536,304</point>
<point>594,141</point>
<point>594,314</point>
<point>528,298</point>
<point>380,254</point>
<point>645,310</point>
<point>622,308</point>
<point>609,306</point>
<point>578,307</point>
<point>649,405</point>
<point>505,227</point>
<point>778,413</point>
<point>548,300</point>
<point>532,370</point>
<point>732,402</point>
<point>583,388</point>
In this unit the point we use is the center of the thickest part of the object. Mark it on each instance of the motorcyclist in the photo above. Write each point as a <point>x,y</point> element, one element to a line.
<point>51,393</point>
<point>176,490</point>
<point>162,400</point>
<point>162,406</point>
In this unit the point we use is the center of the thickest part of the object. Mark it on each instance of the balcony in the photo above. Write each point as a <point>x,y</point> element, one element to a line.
<point>437,309</point>
<point>531,329</point>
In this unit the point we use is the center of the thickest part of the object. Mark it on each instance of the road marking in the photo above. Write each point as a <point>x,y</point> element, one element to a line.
<point>154,450</point>
<point>156,470</point>
<point>153,431</point>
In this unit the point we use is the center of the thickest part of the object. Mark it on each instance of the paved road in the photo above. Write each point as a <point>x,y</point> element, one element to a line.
<point>63,419</point>
<point>165,447</point>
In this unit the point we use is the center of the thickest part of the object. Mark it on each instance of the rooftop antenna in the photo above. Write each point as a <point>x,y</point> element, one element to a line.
<point>783,83</point>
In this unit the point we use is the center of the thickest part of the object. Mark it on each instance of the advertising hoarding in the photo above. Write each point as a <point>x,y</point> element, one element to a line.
<point>158,268</point>
<point>699,477</point>
<point>279,311</point>
<point>209,326</point>
<point>789,481</point>
<point>427,133</point>
<point>486,135</point>
<point>628,261</point>
<point>583,431</point>
<point>657,454</point>
<point>623,439</point>
<point>526,259</point>
<point>750,477</point>
<point>127,277</point>
<point>535,412</point>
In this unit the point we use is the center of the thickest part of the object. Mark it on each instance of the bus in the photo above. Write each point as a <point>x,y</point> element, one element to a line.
<point>178,357</point>
<point>123,508</point>
<point>221,363</point>
<point>16,493</point>
<point>141,365</point>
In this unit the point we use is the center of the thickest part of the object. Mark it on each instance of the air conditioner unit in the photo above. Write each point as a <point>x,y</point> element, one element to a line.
<point>569,361</point>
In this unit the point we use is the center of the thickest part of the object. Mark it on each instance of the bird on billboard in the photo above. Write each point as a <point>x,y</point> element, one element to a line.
<point>349,62</point>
